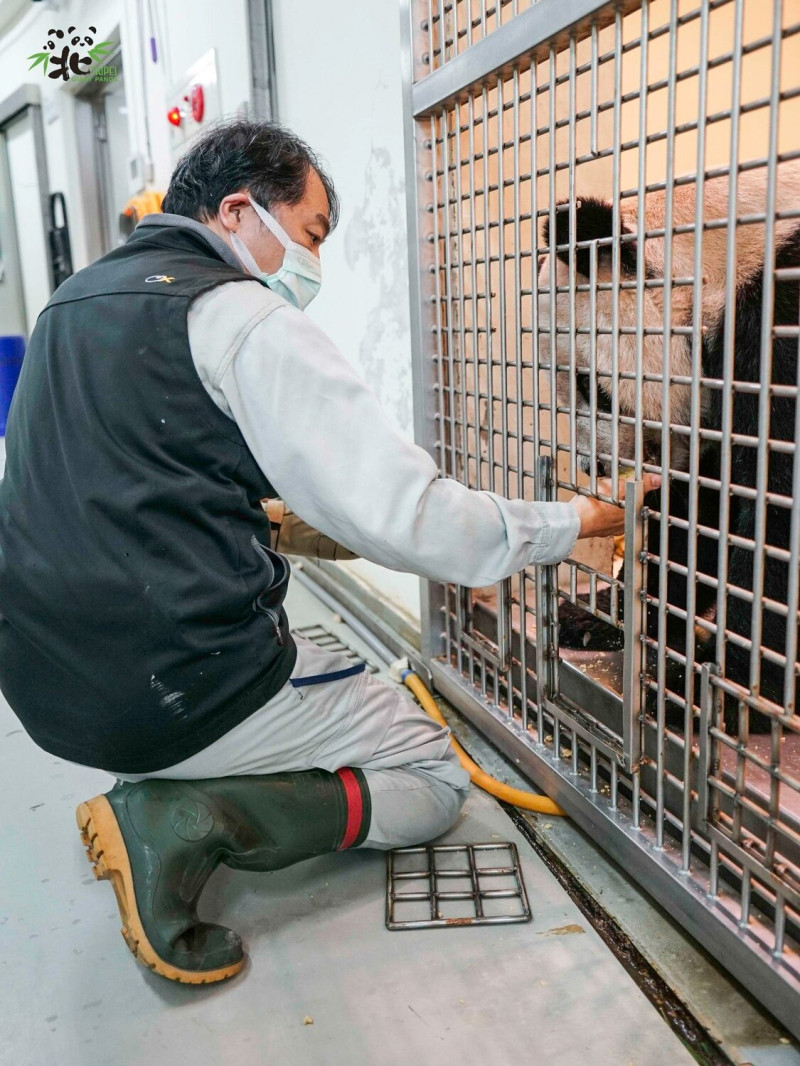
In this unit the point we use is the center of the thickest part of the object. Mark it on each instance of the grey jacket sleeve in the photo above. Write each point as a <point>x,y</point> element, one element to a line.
<point>321,436</point>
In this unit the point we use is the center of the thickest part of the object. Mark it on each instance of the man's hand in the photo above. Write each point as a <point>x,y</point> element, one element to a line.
<point>605,519</point>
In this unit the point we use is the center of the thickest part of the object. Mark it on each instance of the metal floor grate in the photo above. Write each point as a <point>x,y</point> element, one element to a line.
<point>461,866</point>
<point>325,639</point>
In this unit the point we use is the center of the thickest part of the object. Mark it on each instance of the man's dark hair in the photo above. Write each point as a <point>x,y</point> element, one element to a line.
<point>262,157</point>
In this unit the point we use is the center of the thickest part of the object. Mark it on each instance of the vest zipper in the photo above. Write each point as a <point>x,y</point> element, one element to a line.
<point>276,619</point>
<point>274,615</point>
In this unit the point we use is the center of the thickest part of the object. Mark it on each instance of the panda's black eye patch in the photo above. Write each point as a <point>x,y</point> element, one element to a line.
<point>584,384</point>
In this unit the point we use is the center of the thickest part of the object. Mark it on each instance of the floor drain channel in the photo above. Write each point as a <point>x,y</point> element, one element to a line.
<point>325,639</point>
<point>427,887</point>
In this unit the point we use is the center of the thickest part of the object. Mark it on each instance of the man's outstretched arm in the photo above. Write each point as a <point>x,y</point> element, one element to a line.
<point>321,436</point>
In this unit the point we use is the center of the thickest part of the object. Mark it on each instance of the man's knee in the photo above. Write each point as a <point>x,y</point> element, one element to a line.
<point>415,804</point>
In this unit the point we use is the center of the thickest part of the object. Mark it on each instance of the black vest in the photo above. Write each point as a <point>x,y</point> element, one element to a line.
<point>140,603</point>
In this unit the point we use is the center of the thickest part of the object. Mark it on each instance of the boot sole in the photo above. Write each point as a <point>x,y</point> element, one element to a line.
<point>108,856</point>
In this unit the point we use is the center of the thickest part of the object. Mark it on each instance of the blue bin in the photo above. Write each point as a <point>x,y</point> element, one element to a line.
<point>12,349</point>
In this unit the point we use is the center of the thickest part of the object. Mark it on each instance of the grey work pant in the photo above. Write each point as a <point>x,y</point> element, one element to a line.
<point>332,714</point>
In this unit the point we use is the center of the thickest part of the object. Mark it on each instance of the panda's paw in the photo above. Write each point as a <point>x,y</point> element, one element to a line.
<point>755,721</point>
<point>577,629</point>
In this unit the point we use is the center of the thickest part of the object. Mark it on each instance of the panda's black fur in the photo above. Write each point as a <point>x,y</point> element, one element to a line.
<point>578,629</point>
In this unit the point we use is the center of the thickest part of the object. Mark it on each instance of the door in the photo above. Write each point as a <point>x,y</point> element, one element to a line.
<point>12,300</point>
<point>23,180</point>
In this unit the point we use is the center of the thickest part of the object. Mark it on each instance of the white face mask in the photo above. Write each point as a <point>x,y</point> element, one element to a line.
<point>300,276</point>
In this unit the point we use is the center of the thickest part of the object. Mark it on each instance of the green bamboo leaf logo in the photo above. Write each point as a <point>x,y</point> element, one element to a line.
<point>100,49</point>
<point>39,57</point>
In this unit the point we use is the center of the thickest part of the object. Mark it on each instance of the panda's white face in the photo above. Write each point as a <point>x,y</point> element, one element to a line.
<point>591,329</point>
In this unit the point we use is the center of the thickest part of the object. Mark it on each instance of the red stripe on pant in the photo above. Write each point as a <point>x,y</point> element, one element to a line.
<point>355,807</point>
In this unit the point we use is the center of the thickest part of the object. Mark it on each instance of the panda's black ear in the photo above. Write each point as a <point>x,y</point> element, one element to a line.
<point>594,220</point>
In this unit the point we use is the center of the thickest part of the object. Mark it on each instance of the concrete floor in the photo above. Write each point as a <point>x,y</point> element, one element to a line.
<point>325,983</point>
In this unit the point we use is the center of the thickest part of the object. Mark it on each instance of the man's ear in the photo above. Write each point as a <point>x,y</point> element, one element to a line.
<point>230,208</point>
<point>594,220</point>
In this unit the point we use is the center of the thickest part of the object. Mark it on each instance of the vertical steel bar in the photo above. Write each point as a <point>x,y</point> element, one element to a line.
<point>593,767</point>
<point>694,438</point>
<point>640,243</point>
<point>552,588</point>
<point>765,363</point>
<point>551,161</point>
<point>573,379</point>
<point>504,588</point>
<point>501,253</point>
<point>520,429</point>
<point>666,461</point>
<point>476,355</point>
<point>636,803</point>
<point>633,665</point>
<point>450,297</point>
<point>666,441</point>
<point>573,743</point>
<point>465,602</point>
<point>713,870</point>
<point>545,621</point>
<point>728,377</point>
<point>437,295</point>
<point>638,429</point>
<point>747,884</point>
<point>476,347</point>
<point>780,926</point>
<point>728,338</point>
<point>790,677</point>
<point>538,469</point>
<point>774,793</point>
<point>593,383</point>
<point>593,74</point>
<point>446,411</point>
<point>707,756</point>
<point>615,256</point>
<point>430,33</point>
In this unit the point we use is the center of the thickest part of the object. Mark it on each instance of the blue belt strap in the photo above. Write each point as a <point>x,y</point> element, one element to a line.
<point>317,679</point>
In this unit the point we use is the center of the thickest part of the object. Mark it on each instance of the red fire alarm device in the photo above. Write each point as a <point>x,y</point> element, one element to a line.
<point>198,102</point>
<point>174,116</point>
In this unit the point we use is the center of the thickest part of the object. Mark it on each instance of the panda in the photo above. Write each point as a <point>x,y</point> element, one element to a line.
<point>594,221</point>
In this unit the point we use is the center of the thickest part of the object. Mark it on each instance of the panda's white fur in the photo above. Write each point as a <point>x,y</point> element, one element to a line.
<point>594,219</point>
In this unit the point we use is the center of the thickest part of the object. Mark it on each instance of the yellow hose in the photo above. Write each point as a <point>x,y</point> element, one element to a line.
<point>528,801</point>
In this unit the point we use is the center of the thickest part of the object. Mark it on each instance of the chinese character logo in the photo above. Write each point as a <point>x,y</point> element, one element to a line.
<point>74,58</point>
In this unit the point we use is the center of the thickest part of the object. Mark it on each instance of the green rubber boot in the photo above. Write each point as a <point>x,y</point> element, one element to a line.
<point>158,842</point>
